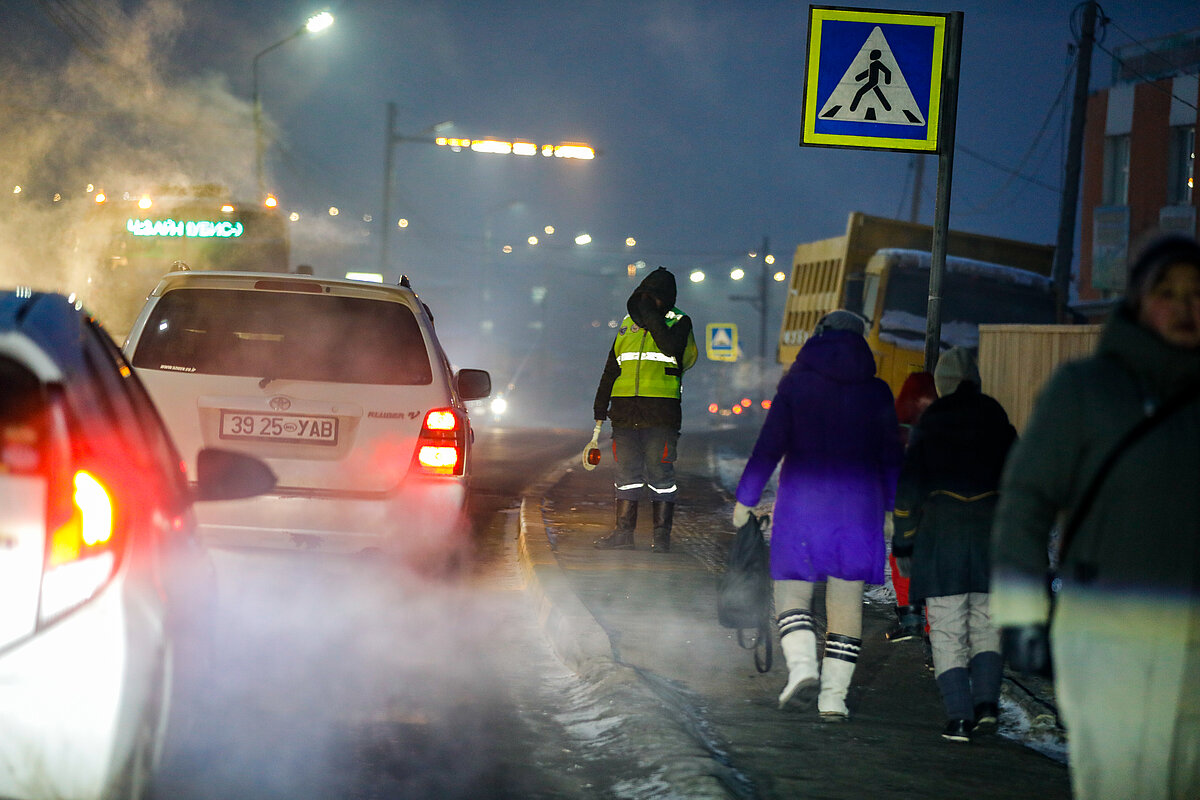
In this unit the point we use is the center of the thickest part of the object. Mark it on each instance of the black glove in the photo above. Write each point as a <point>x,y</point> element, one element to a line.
<point>1027,649</point>
<point>904,566</point>
<point>643,308</point>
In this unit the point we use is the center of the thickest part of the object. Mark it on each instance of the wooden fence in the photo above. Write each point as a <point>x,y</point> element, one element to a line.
<point>1016,360</point>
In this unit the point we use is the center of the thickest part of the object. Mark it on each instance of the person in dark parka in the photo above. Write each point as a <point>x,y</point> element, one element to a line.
<point>945,501</point>
<point>1126,622</point>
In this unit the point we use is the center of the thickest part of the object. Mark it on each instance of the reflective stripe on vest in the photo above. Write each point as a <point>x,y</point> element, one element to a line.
<point>643,366</point>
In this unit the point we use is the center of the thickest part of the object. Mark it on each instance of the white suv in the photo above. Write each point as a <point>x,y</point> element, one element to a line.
<point>341,386</point>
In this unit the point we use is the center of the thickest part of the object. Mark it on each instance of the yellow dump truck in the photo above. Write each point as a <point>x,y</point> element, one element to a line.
<point>880,269</point>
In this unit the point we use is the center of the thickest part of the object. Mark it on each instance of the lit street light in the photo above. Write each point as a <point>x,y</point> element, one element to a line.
<point>565,150</point>
<point>316,23</point>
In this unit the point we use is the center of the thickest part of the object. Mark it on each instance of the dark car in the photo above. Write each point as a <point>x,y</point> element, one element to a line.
<point>102,580</point>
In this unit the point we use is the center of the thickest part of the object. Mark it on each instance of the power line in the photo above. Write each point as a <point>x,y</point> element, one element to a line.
<point>1015,172</point>
<point>1145,79</point>
<point>1133,39</point>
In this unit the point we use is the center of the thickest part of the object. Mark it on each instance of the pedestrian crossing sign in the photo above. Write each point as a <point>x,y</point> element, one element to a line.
<point>722,341</point>
<point>873,79</point>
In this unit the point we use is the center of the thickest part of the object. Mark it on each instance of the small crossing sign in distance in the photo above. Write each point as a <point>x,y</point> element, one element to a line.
<point>722,341</point>
<point>873,79</point>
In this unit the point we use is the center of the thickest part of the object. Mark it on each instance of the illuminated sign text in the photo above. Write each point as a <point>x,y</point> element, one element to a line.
<point>192,228</point>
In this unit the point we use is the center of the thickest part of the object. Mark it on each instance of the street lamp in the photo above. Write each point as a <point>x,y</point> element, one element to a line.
<point>316,23</point>
<point>389,140</point>
<point>565,150</point>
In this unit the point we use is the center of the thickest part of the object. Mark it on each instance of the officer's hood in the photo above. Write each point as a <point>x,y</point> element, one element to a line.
<point>661,284</point>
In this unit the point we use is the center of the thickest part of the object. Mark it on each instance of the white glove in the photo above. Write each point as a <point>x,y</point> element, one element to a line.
<point>741,515</point>
<point>594,444</point>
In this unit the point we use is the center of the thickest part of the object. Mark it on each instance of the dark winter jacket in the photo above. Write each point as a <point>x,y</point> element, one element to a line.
<point>1139,548</point>
<point>673,340</point>
<point>947,493</point>
<point>833,423</point>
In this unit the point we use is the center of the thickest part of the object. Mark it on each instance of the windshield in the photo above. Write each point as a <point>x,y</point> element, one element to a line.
<point>967,298</point>
<point>284,336</point>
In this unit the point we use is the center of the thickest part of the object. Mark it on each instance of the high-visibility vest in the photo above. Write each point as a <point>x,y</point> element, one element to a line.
<point>645,370</point>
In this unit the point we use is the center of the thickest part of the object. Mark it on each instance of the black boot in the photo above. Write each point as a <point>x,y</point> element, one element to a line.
<point>987,671</point>
<point>909,624</point>
<point>622,536</point>
<point>664,515</point>
<point>955,686</point>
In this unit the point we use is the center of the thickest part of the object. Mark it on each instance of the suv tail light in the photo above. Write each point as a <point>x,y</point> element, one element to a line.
<point>81,555</point>
<point>441,446</point>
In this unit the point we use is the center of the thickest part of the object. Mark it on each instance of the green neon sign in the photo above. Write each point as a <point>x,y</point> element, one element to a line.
<point>191,228</point>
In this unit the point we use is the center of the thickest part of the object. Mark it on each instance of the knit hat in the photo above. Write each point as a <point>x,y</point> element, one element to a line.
<point>955,366</point>
<point>1146,270</point>
<point>841,320</point>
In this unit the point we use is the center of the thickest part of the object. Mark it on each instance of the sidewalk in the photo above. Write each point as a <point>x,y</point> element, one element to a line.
<point>647,622</point>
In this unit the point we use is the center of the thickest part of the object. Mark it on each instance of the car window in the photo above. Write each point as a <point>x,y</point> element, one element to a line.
<point>160,449</point>
<point>284,336</point>
<point>22,423</point>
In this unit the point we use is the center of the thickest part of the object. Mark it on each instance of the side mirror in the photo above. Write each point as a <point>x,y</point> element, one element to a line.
<point>226,475</point>
<point>473,384</point>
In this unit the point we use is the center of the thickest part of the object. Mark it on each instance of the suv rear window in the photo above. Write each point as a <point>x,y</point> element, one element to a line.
<point>284,336</point>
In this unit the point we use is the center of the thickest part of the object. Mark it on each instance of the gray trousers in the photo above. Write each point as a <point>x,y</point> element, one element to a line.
<point>960,627</point>
<point>645,459</point>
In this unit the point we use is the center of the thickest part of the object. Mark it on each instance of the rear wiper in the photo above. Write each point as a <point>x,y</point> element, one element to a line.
<point>263,383</point>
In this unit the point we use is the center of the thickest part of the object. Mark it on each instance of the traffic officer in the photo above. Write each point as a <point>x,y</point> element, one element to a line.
<point>640,391</point>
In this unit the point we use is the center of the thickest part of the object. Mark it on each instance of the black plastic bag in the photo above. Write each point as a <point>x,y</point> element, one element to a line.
<point>745,591</point>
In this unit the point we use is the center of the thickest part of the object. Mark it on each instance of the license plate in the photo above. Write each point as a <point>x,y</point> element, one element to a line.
<point>302,428</point>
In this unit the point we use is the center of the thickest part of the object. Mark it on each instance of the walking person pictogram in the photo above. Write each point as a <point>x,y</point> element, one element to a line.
<point>873,88</point>
<point>871,74</point>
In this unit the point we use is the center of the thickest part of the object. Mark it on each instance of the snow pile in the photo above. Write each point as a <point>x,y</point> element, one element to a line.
<point>907,330</point>
<point>920,259</point>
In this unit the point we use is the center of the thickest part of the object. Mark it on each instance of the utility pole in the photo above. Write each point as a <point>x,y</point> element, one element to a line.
<point>1064,248</point>
<point>386,219</point>
<point>760,304</point>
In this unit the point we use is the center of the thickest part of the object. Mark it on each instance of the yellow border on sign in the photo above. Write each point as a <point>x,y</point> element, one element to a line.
<point>933,122</point>
<point>712,354</point>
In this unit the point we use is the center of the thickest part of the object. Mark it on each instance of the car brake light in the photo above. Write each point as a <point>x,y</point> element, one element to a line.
<point>441,443</point>
<point>80,558</point>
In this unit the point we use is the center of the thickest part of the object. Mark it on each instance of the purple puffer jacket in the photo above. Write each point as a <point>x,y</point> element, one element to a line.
<point>834,425</point>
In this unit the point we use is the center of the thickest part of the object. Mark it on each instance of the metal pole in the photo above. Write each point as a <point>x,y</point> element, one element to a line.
<point>1064,248</point>
<point>762,302</point>
<point>258,140</point>
<point>941,224</point>
<point>258,131</point>
<point>918,187</point>
<point>385,218</point>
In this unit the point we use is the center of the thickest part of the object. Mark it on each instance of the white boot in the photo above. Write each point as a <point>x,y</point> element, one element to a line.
<point>837,668</point>
<point>799,644</point>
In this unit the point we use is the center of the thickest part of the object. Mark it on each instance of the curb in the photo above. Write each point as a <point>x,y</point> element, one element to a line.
<point>584,647</point>
<point>578,640</point>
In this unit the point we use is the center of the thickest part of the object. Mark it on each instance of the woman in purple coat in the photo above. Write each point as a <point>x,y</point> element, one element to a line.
<point>833,423</point>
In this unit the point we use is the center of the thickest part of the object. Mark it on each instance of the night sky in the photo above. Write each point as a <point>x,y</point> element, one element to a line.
<point>694,107</point>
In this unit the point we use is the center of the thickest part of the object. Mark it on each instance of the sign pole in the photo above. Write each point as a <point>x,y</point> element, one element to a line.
<point>941,224</point>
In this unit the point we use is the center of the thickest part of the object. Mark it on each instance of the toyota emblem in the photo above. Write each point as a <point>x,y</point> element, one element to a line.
<point>280,403</point>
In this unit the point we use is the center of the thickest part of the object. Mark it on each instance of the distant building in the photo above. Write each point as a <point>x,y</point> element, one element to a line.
<point>1139,158</point>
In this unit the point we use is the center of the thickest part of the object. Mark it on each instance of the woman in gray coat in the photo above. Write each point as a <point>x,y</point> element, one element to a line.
<point>1126,622</point>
